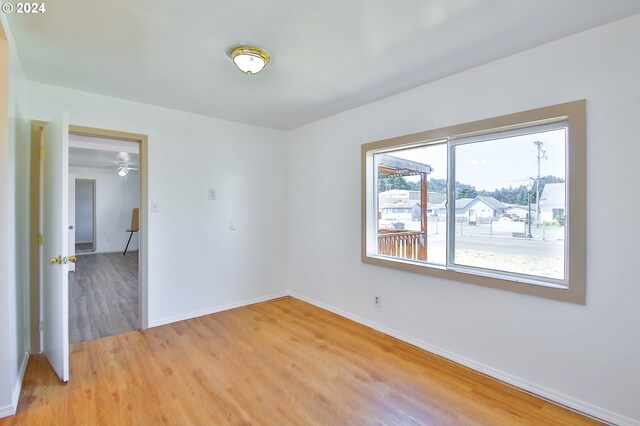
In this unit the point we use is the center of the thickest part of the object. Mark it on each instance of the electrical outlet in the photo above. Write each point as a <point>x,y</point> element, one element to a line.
<point>232,225</point>
<point>377,300</point>
<point>155,206</point>
<point>212,194</point>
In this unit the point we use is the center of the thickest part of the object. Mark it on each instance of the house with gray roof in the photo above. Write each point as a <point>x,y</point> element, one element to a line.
<point>476,210</point>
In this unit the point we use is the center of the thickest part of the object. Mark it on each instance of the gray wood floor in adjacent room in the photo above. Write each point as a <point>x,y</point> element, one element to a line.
<point>84,247</point>
<point>103,296</point>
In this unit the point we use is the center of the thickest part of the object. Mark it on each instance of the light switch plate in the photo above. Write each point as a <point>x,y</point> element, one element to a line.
<point>155,206</point>
<point>212,194</point>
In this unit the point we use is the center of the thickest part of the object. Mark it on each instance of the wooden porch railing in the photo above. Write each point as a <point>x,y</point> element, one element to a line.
<point>404,244</point>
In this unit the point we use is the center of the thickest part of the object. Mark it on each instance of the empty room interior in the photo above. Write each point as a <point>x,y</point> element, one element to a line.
<point>103,235</point>
<point>299,212</point>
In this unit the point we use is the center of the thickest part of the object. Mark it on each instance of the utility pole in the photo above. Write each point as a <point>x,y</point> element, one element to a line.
<point>529,185</point>
<point>541,154</point>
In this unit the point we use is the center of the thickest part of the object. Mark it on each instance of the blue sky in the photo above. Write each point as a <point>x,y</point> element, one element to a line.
<point>498,163</point>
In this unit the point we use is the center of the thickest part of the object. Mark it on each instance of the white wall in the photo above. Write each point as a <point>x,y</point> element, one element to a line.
<point>196,263</point>
<point>14,228</point>
<point>584,356</point>
<point>115,198</point>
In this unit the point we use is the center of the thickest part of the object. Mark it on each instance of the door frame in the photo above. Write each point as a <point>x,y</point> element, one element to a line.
<point>35,248</point>
<point>93,212</point>
<point>72,223</point>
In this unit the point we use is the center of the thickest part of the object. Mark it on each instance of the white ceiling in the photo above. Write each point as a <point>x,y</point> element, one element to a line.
<point>98,153</point>
<point>327,56</point>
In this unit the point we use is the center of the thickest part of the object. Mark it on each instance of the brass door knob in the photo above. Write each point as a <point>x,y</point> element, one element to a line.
<point>62,260</point>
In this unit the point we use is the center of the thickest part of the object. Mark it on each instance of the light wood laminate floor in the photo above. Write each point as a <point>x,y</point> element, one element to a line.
<point>103,296</point>
<point>279,362</point>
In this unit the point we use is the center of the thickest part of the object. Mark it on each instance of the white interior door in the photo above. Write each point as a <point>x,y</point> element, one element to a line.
<point>55,267</point>
<point>72,220</point>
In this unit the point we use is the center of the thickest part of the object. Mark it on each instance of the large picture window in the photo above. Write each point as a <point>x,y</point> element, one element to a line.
<point>498,202</point>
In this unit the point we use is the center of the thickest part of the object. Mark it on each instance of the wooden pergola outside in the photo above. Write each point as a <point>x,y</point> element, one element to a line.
<point>401,243</point>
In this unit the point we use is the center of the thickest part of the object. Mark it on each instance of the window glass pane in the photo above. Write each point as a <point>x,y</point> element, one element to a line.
<point>406,228</point>
<point>510,204</point>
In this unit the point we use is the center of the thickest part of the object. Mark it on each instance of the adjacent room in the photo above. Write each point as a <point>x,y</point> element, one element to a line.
<point>319,213</point>
<point>104,201</point>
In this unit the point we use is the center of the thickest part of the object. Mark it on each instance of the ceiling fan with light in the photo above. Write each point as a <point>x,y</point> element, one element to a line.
<point>123,169</point>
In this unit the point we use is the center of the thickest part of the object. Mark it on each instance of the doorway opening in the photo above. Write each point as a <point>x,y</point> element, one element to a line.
<point>107,182</point>
<point>103,284</point>
<point>82,213</point>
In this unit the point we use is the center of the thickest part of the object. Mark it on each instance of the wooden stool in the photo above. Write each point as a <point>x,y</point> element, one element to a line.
<point>132,229</point>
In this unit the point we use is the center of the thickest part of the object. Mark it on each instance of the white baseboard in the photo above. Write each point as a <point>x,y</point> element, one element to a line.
<point>18,387</point>
<point>556,397</point>
<point>7,411</point>
<point>208,311</point>
<point>10,410</point>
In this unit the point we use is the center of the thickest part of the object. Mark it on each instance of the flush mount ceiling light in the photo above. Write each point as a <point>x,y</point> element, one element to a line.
<point>250,59</point>
<point>122,171</point>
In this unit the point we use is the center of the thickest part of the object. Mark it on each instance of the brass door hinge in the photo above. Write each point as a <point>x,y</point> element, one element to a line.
<point>40,239</point>
<point>41,151</point>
